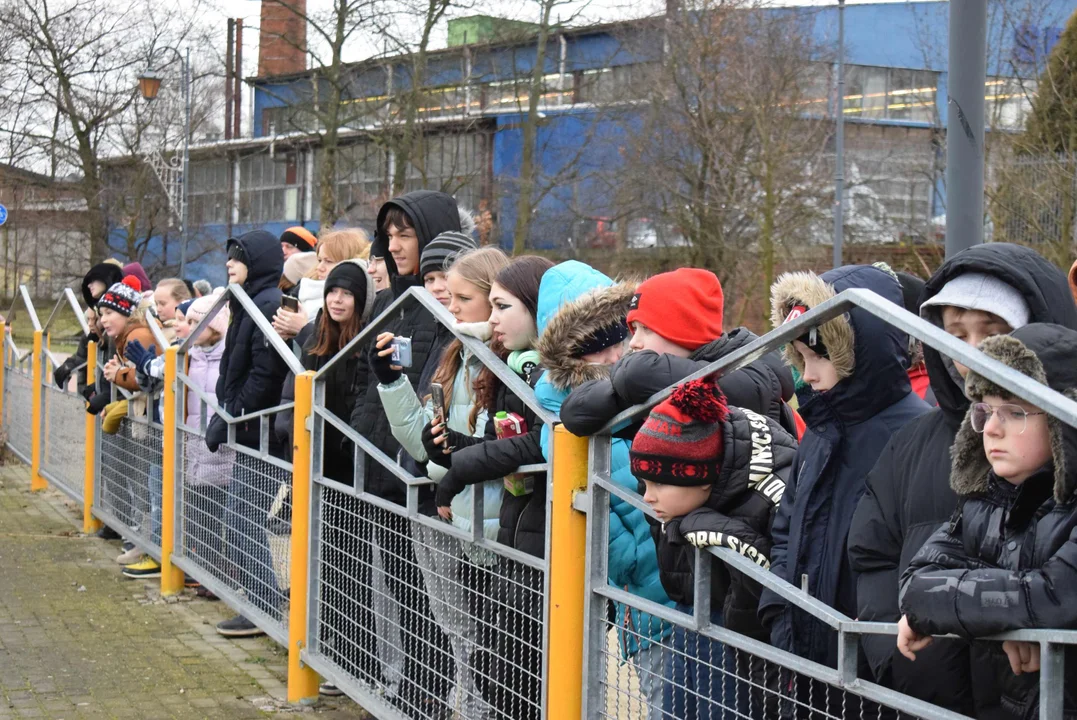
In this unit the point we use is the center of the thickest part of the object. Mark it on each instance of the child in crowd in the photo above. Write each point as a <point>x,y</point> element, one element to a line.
<point>453,573</point>
<point>167,297</point>
<point>251,377</point>
<point>508,671</point>
<point>1007,560</point>
<point>676,319</point>
<point>714,475</point>
<point>94,284</point>
<point>855,395</point>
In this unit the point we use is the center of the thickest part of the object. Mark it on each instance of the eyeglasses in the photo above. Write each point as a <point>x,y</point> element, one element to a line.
<point>1013,417</point>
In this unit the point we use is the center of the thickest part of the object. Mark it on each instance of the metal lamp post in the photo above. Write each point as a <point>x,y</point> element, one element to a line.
<point>149,84</point>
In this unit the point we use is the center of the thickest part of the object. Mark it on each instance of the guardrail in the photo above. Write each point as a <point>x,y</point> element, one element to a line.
<point>397,607</point>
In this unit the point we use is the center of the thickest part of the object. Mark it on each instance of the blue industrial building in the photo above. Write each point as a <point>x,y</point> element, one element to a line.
<point>895,107</point>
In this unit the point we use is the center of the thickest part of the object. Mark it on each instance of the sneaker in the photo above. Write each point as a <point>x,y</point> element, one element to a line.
<point>129,556</point>
<point>329,690</point>
<point>106,533</point>
<point>127,545</point>
<point>238,626</point>
<point>146,568</point>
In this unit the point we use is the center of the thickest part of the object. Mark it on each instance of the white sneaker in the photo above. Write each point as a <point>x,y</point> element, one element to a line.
<point>130,557</point>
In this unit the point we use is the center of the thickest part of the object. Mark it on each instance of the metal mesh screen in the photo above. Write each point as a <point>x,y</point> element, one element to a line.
<point>129,482</point>
<point>430,624</point>
<point>235,527</point>
<point>63,450</point>
<point>673,672</point>
<point>17,407</point>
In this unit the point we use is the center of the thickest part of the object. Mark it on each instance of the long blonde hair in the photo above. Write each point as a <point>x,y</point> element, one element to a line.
<point>176,288</point>
<point>341,245</point>
<point>478,267</point>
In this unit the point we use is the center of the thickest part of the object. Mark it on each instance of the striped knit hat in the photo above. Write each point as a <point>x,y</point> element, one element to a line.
<point>440,252</point>
<point>123,297</point>
<point>681,443</point>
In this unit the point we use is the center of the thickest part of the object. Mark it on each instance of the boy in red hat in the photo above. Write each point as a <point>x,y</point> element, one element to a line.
<point>676,323</point>
<point>714,475</point>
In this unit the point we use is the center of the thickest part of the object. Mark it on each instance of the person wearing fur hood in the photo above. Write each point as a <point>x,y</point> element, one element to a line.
<point>582,320</point>
<point>1007,560</point>
<point>855,394</point>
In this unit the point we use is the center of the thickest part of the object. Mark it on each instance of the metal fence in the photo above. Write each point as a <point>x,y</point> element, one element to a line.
<point>414,617</point>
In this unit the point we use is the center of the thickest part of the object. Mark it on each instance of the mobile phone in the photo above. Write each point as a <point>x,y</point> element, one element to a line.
<point>437,397</point>
<point>401,351</point>
<point>289,303</point>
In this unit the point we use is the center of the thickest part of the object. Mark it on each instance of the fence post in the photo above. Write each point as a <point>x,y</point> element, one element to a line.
<point>36,481</point>
<point>171,576</point>
<point>568,546</point>
<point>90,524</point>
<point>302,681</point>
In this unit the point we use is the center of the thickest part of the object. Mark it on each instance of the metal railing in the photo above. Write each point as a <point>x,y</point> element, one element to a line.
<point>755,679</point>
<point>409,614</point>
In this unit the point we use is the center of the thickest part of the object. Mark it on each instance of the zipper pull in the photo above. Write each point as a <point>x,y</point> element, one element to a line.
<point>804,587</point>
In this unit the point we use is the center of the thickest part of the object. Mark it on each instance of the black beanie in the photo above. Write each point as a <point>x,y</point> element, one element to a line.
<point>237,252</point>
<point>602,338</point>
<point>351,276</point>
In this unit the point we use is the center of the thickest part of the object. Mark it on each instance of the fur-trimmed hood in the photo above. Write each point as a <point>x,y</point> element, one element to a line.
<point>871,357</point>
<point>574,322</point>
<point>1044,353</point>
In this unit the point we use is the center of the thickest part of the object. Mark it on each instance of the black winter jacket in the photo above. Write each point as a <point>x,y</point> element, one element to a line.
<point>909,496</point>
<point>848,427</point>
<point>252,372</point>
<point>1007,560</point>
<point>431,213</point>
<point>758,459</point>
<point>762,386</point>
<point>523,517</point>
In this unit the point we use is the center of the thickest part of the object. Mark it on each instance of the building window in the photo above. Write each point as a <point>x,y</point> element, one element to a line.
<point>890,93</point>
<point>361,183</point>
<point>289,119</point>
<point>514,94</point>
<point>269,188</point>
<point>1009,102</point>
<point>454,163</point>
<point>620,82</point>
<point>209,192</point>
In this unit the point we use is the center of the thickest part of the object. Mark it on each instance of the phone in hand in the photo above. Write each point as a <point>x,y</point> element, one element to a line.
<point>437,398</point>
<point>289,303</point>
<point>401,351</point>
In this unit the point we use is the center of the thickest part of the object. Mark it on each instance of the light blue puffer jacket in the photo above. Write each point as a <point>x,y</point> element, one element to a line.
<point>574,301</point>
<point>408,416</point>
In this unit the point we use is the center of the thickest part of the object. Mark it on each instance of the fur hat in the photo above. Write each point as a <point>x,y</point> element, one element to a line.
<point>123,297</point>
<point>803,291</point>
<point>201,307</point>
<point>682,440</point>
<point>1044,353</point>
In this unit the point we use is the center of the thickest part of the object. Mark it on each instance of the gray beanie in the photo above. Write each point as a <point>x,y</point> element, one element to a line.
<point>440,252</point>
<point>978,291</point>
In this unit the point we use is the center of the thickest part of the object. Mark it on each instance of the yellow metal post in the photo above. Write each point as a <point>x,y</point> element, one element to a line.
<point>36,481</point>
<point>568,546</point>
<point>3,365</point>
<point>302,681</point>
<point>171,576</point>
<point>90,524</point>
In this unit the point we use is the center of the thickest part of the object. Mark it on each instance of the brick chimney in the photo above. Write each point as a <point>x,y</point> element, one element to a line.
<point>282,39</point>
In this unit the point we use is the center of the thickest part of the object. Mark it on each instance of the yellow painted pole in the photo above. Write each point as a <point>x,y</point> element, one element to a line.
<point>36,481</point>
<point>568,546</point>
<point>171,576</point>
<point>3,365</point>
<point>90,524</point>
<point>302,681</point>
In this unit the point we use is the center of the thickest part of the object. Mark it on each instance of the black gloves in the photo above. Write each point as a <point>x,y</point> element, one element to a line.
<point>89,391</point>
<point>62,374</point>
<point>456,440</point>
<point>216,433</point>
<point>97,403</point>
<point>448,488</point>
<point>140,356</point>
<point>382,367</point>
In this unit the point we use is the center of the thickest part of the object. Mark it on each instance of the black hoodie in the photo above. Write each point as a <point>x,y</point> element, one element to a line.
<point>431,213</point>
<point>108,274</point>
<point>909,494</point>
<point>252,372</point>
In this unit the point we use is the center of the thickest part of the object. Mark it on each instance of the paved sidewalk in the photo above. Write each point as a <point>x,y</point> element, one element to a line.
<point>77,640</point>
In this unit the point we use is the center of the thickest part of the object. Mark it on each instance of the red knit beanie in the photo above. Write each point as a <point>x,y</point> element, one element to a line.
<point>683,306</point>
<point>681,443</point>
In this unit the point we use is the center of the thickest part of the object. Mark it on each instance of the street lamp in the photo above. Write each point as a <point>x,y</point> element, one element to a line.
<point>149,83</point>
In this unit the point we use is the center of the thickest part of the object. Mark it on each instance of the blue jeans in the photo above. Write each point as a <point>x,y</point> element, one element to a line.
<point>701,677</point>
<point>250,496</point>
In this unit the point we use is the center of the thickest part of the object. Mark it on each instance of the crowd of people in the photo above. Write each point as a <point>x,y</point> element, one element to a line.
<point>883,478</point>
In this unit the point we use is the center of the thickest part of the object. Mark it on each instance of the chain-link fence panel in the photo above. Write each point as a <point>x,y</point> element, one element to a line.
<point>19,389</point>
<point>128,494</point>
<point>234,524</point>
<point>427,623</point>
<point>63,453</point>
